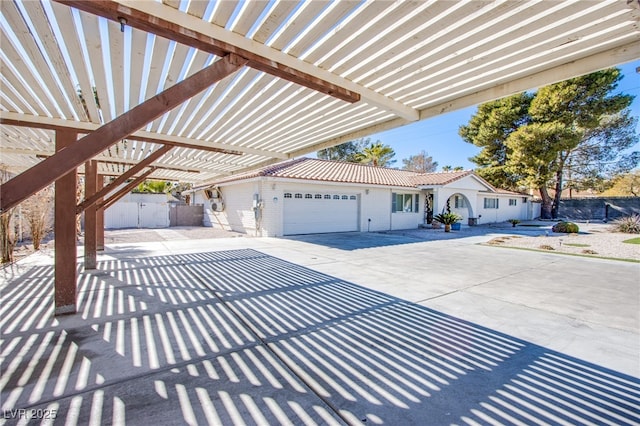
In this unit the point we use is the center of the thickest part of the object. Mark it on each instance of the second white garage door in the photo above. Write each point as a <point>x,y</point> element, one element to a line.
<point>316,213</point>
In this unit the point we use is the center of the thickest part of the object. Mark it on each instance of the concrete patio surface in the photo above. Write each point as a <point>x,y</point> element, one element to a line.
<point>324,329</point>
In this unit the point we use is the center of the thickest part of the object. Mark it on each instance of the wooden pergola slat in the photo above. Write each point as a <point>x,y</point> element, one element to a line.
<point>172,31</point>
<point>45,172</point>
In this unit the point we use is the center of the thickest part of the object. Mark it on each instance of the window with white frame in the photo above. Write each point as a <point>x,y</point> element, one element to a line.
<point>513,202</point>
<point>490,203</point>
<point>458,202</point>
<point>405,203</point>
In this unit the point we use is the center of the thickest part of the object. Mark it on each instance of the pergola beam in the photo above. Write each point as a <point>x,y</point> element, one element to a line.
<point>139,16</point>
<point>101,193</point>
<point>61,163</point>
<point>48,123</point>
<point>124,190</point>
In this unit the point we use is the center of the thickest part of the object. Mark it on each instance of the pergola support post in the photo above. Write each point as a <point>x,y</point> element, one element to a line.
<point>65,233</point>
<point>90,216</point>
<point>100,218</point>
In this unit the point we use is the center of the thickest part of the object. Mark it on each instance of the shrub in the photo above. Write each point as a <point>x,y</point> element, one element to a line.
<point>513,222</point>
<point>447,218</point>
<point>546,247</point>
<point>565,227</point>
<point>37,210</point>
<point>628,224</point>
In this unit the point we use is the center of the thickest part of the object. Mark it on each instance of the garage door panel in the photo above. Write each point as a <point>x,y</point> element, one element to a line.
<point>320,215</point>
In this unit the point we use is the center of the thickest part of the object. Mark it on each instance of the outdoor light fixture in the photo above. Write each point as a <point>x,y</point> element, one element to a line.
<point>123,22</point>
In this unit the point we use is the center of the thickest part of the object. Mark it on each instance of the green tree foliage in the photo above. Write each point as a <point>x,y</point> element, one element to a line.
<point>449,168</point>
<point>360,151</point>
<point>575,130</point>
<point>489,129</point>
<point>421,163</point>
<point>154,187</point>
<point>378,154</point>
<point>348,151</point>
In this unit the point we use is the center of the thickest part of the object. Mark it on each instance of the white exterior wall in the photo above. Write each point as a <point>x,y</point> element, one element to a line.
<point>238,214</point>
<point>271,212</point>
<point>121,215</point>
<point>138,211</point>
<point>469,195</point>
<point>238,210</point>
<point>504,212</point>
<point>376,205</point>
<point>374,202</point>
<point>402,220</point>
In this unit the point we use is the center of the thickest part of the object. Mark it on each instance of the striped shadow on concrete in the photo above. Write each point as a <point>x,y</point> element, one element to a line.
<point>241,337</point>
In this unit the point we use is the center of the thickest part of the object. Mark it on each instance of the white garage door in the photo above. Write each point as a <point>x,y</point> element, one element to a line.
<point>315,213</point>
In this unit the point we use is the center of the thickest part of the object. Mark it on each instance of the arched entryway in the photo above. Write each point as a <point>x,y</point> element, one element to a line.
<point>461,205</point>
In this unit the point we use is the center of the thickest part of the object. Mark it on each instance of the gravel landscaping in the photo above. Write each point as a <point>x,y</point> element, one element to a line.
<point>601,244</point>
<point>594,239</point>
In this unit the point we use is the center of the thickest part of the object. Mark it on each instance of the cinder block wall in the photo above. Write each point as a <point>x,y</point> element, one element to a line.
<point>595,208</point>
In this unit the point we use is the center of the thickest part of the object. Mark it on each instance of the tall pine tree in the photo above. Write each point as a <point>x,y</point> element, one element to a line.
<point>576,128</point>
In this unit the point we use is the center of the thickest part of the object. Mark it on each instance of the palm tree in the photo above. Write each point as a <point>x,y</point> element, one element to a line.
<point>378,155</point>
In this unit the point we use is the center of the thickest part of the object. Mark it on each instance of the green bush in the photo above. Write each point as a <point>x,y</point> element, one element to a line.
<point>628,224</point>
<point>565,227</point>
<point>447,218</point>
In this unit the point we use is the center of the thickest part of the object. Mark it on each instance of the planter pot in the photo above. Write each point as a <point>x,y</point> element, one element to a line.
<point>455,226</point>
<point>447,228</point>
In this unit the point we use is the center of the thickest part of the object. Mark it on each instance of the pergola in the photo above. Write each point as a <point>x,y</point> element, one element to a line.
<point>194,90</point>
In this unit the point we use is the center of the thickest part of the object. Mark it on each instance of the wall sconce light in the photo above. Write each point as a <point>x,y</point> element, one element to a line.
<point>366,191</point>
<point>275,200</point>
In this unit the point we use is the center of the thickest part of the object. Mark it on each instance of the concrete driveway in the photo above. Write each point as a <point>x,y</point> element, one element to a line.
<point>327,329</point>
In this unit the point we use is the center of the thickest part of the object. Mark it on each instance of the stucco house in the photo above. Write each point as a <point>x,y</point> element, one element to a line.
<point>307,195</point>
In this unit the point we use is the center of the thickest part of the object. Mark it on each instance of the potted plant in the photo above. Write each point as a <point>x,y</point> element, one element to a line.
<point>447,219</point>
<point>513,222</point>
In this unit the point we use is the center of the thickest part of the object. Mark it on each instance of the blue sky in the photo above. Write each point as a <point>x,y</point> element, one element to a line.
<point>439,135</point>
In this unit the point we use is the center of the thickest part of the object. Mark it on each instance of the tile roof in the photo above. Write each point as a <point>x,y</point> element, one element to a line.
<point>441,178</point>
<point>340,171</point>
